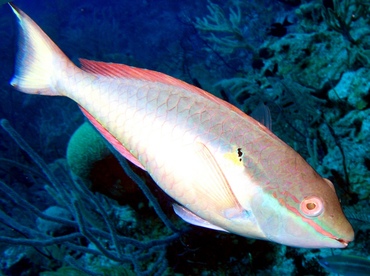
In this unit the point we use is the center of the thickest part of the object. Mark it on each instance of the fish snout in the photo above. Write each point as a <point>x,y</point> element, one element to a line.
<point>349,235</point>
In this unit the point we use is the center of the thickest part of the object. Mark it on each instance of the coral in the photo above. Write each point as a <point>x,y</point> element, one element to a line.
<point>352,88</point>
<point>21,260</point>
<point>50,227</point>
<point>309,17</point>
<point>85,148</point>
<point>304,107</point>
<point>236,26</point>
<point>90,160</point>
<point>353,129</point>
<point>342,14</point>
<point>92,222</point>
<point>312,60</point>
<point>225,33</point>
<point>315,82</point>
<point>298,69</point>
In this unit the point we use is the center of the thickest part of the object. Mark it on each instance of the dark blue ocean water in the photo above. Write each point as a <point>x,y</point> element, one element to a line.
<point>283,53</point>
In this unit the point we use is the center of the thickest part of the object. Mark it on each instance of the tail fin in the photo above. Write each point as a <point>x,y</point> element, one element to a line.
<point>37,59</point>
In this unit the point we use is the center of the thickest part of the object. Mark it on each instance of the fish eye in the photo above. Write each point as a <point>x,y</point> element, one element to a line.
<point>312,206</point>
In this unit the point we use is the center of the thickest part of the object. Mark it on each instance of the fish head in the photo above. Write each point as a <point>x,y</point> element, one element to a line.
<point>304,211</point>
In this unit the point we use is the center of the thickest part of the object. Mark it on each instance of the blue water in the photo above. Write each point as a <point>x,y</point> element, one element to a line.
<point>162,35</point>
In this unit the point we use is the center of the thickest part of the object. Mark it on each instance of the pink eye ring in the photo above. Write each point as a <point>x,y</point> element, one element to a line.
<point>312,206</point>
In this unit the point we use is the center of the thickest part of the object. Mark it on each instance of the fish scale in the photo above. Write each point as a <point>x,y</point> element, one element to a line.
<point>227,171</point>
<point>147,120</point>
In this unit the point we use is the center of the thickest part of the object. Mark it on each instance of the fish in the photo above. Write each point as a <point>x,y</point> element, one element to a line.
<point>349,265</point>
<point>225,170</point>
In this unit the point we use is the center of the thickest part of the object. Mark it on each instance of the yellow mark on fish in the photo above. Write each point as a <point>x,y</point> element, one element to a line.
<point>235,156</point>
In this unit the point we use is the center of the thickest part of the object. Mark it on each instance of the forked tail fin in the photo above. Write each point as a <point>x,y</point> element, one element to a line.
<point>38,61</point>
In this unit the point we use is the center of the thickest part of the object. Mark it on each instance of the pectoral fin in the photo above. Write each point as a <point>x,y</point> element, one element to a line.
<point>192,218</point>
<point>215,202</point>
<point>262,114</point>
<point>210,183</point>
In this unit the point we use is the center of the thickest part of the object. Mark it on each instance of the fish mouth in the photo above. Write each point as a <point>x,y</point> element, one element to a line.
<point>343,242</point>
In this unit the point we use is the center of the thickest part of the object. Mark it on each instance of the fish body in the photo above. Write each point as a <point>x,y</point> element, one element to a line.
<point>347,265</point>
<point>226,170</point>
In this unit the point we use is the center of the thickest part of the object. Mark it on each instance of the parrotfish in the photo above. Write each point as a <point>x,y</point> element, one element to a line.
<point>225,170</point>
<point>348,265</point>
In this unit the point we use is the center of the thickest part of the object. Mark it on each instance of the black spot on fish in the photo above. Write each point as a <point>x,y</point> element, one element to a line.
<point>240,154</point>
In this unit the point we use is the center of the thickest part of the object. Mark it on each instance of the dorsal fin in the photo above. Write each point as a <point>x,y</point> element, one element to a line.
<point>122,71</point>
<point>262,114</point>
<point>125,71</point>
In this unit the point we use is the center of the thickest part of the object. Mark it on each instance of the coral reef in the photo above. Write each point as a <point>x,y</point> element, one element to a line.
<point>311,77</point>
<point>307,60</point>
<point>315,81</point>
<point>82,222</point>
